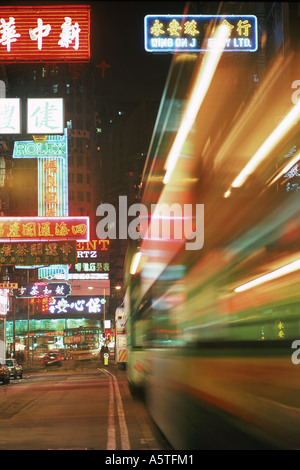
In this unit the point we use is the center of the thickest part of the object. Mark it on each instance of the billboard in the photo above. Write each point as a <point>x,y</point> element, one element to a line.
<point>55,33</point>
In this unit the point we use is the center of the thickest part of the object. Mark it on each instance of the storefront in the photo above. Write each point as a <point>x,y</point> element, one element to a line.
<point>44,334</point>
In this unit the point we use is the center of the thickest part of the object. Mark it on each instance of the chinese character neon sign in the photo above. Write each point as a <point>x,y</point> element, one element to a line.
<point>77,305</point>
<point>39,253</point>
<point>22,229</point>
<point>4,301</point>
<point>187,33</point>
<point>10,116</point>
<point>43,289</point>
<point>45,116</point>
<point>59,33</point>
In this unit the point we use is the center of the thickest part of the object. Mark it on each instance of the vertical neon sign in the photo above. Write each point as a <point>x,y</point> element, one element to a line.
<point>53,184</point>
<point>52,156</point>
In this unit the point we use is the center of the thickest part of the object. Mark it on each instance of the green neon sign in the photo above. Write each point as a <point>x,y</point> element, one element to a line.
<point>32,149</point>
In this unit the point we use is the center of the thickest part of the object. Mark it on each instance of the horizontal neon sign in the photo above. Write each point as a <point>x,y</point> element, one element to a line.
<point>43,289</point>
<point>22,229</point>
<point>187,33</point>
<point>31,149</point>
<point>57,33</point>
<point>74,305</point>
<point>37,253</point>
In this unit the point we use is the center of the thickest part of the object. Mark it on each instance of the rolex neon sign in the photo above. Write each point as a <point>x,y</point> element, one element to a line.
<point>27,149</point>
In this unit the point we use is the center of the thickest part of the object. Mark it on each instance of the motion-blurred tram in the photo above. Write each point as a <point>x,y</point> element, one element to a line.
<point>212,328</point>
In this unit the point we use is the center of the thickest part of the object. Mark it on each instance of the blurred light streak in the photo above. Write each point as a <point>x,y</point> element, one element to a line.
<point>205,76</point>
<point>152,270</point>
<point>288,268</point>
<point>274,138</point>
<point>135,263</point>
<point>285,169</point>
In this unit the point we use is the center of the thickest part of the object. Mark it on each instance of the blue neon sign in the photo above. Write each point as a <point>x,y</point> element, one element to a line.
<point>187,33</point>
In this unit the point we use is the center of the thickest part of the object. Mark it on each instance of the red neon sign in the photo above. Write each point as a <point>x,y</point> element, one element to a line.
<point>56,33</point>
<point>23,229</point>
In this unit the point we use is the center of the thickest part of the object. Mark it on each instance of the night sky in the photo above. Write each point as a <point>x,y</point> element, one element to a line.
<point>117,37</point>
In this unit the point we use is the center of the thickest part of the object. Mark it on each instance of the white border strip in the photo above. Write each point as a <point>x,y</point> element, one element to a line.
<point>111,432</point>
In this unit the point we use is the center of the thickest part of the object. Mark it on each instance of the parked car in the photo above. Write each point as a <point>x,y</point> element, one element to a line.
<point>4,372</point>
<point>52,359</point>
<point>15,370</point>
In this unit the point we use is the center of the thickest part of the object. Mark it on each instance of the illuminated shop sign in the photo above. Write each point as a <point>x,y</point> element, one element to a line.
<point>91,267</point>
<point>45,116</point>
<point>187,33</point>
<point>10,116</point>
<point>22,229</point>
<point>80,339</point>
<point>34,254</point>
<point>4,300</point>
<point>52,155</point>
<point>42,303</point>
<point>77,305</point>
<point>57,271</point>
<point>92,260</point>
<point>56,33</point>
<point>31,149</point>
<point>90,249</point>
<point>43,289</point>
<point>89,276</point>
<point>53,193</point>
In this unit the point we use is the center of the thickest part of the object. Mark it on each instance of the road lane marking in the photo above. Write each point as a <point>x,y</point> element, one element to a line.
<point>121,416</point>
<point>111,430</point>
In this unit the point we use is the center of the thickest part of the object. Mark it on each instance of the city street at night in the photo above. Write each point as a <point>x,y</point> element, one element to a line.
<point>75,407</point>
<point>149,228</point>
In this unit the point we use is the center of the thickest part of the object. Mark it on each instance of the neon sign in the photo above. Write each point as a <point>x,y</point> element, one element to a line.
<point>45,116</point>
<point>77,305</point>
<point>4,301</point>
<point>187,33</point>
<point>31,149</point>
<point>92,260</point>
<point>93,245</point>
<point>52,155</point>
<point>43,289</point>
<point>57,271</point>
<point>56,33</point>
<point>22,229</point>
<point>10,116</point>
<point>34,254</point>
<point>91,250</point>
<point>91,267</point>
<point>88,276</point>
